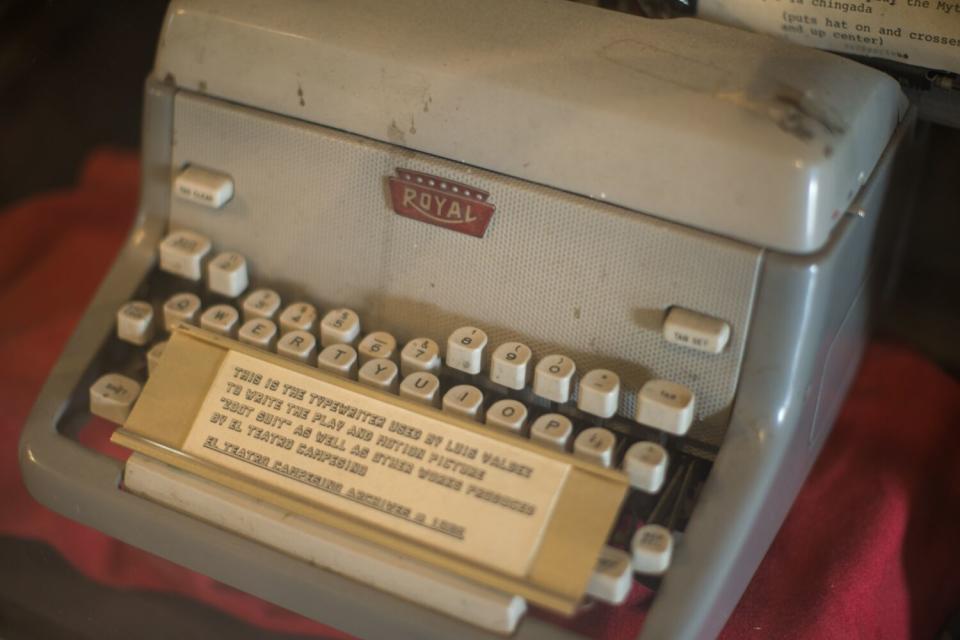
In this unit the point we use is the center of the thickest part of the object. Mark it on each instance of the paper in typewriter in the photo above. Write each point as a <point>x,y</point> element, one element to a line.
<point>487,506</point>
<point>924,33</point>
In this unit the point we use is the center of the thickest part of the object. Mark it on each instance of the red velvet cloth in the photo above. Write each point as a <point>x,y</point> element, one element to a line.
<point>871,548</point>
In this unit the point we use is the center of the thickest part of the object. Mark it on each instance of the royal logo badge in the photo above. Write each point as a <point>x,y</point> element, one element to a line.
<point>440,202</point>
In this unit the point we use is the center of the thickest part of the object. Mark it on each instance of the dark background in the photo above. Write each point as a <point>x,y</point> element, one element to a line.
<point>71,79</point>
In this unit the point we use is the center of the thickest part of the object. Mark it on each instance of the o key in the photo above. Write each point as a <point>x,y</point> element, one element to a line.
<point>507,414</point>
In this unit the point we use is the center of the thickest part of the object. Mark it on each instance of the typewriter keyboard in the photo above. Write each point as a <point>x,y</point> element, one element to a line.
<point>508,387</point>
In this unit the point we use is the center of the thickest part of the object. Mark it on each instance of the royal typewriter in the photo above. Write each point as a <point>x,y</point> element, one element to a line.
<point>444,318</point>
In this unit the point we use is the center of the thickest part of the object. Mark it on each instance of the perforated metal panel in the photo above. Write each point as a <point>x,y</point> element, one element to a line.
<point>562,273</point>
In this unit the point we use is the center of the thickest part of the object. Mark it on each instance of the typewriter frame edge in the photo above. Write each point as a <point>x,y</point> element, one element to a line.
<point>774,436</point>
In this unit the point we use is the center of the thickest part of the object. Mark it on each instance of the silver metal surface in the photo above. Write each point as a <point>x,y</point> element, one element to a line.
<point>806,339</point>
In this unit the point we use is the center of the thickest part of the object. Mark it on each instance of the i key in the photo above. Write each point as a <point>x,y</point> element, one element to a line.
<point>464,400</point>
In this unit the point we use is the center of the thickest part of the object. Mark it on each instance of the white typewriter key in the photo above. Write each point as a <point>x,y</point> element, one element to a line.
<point>652,547</point>
<point>695,330</point>
<point>182,253</point>
<point>464,400</point>
<point>599,393</point>
<point>180,307</point>
<point>380,373</point>
<point>259,332</point>
<point>340,326</point>
<point>645,464</point>
<point>340,359</point>
<point>422,387</point>
<point>135,323</point>
<point>154,355</point>
<point>665,405</point>
<point>298,345</point>
<point>262,303</point>
<point>612,578</point>
<point>299,316</point>
<point>507,414</point>
<point>220,318</point>
<point>510,365</point>
<point>596,445</point>
<point>465,349</point>
<point>203,186</point>
<point>552,430</point>
<point>112,396</point>
<point>420,354</point>
<point>378,344</point>
<point>553,378</point>
<point>227,274</point>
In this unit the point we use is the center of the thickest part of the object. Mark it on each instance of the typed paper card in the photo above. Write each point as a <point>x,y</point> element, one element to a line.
<point>414,474</point>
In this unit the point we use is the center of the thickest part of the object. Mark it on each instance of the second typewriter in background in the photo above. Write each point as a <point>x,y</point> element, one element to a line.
<point>437,312</point>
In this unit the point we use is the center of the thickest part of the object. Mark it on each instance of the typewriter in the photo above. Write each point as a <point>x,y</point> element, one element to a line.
<point>440,318</point>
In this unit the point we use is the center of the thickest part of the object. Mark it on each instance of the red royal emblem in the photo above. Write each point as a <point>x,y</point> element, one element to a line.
<point>441,202</point>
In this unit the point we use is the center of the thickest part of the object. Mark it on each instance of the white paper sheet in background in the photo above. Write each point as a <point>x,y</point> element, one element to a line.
<point>925,33</point>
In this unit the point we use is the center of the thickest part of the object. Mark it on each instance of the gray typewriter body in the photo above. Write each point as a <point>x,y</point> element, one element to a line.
<point>556,269</point>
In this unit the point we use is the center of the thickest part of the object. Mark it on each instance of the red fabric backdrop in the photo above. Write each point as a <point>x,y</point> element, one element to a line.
<point>871,548</point>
